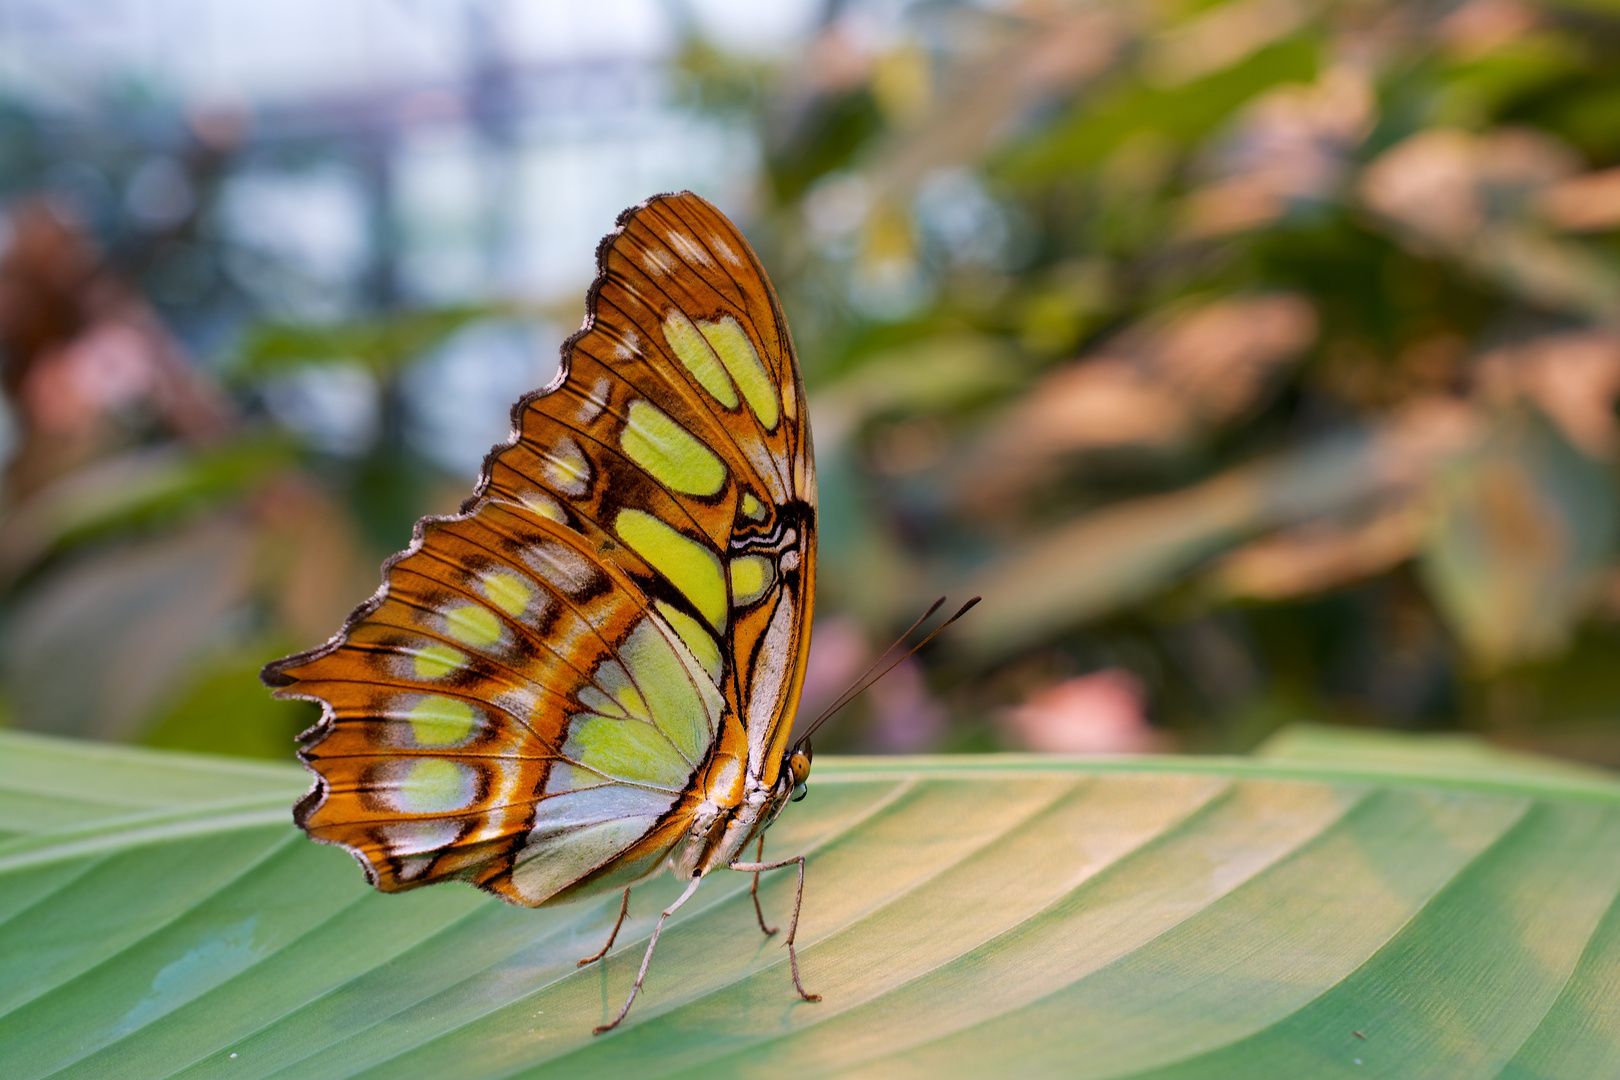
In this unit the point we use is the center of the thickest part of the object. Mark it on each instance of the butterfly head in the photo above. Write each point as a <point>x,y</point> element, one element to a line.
<point>797,766</point>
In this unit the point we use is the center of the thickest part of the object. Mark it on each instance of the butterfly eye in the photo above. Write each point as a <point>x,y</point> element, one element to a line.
<point>799,765</point>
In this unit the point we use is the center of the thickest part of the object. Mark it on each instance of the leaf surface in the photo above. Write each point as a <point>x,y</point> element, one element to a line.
<point>1332,907</point>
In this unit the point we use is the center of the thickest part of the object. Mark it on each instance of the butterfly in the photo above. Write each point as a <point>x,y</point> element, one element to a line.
<point>591,671</point>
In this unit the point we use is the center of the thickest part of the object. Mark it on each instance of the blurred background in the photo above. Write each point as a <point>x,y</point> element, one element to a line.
<point>1257,360</point>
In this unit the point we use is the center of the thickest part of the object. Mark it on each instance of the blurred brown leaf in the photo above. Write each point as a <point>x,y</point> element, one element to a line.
<point>1291,146</point>
<point>1219,356</point>
<point>1475,198</point>
<point>1574,378</point>
<point>1442,185</point>
<point>1154,385</point>
<point>1120,554</point>
<point>1319,556</point>
<point>1588,203</point>
<point>1521,531</point>
<point>1480,27</point>
<point>1087,567</point>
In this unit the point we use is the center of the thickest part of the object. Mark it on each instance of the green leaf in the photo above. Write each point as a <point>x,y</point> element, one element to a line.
<point>1316,913</point>
<point>138,490</point>
<point>381,344</point>
<point>227,685</point>
<point>1103,122</point>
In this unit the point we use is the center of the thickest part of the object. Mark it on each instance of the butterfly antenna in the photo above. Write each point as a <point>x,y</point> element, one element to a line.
<point>844,698</point>
<point>867,680</point>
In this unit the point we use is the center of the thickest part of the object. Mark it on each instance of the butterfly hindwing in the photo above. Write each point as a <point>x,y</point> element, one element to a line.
<point>530,700</point>
<point>505,697</point>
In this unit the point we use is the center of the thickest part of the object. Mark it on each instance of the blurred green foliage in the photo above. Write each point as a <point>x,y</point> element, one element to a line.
<point>1398,511</point>
<point>1262,353</point>
<point>384,344</point>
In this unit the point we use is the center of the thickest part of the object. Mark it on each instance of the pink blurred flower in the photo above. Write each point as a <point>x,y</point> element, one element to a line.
<point>838,652</point>
<point>1101,713</point>
<point>109,368</point>
<point>903,715</point>
<point>906,717</point>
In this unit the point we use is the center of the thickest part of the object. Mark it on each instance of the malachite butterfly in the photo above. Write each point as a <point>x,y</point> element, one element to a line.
<point>591,672</point>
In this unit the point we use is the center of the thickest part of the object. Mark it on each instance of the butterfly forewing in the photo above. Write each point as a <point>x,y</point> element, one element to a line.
<point>530,700</point>
<point>686,384</point>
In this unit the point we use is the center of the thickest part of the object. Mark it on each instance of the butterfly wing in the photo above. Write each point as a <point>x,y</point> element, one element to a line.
<point>528,700</point>
<point>679,438</point>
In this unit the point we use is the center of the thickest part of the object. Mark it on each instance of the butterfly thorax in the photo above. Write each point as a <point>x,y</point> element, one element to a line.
<point>735,807</point>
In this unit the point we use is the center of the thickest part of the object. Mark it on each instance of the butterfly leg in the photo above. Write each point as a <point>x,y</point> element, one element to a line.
<point>759,912</point>
<point>793,926</point>
<point>624,907</point>
<point>647,959</point>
